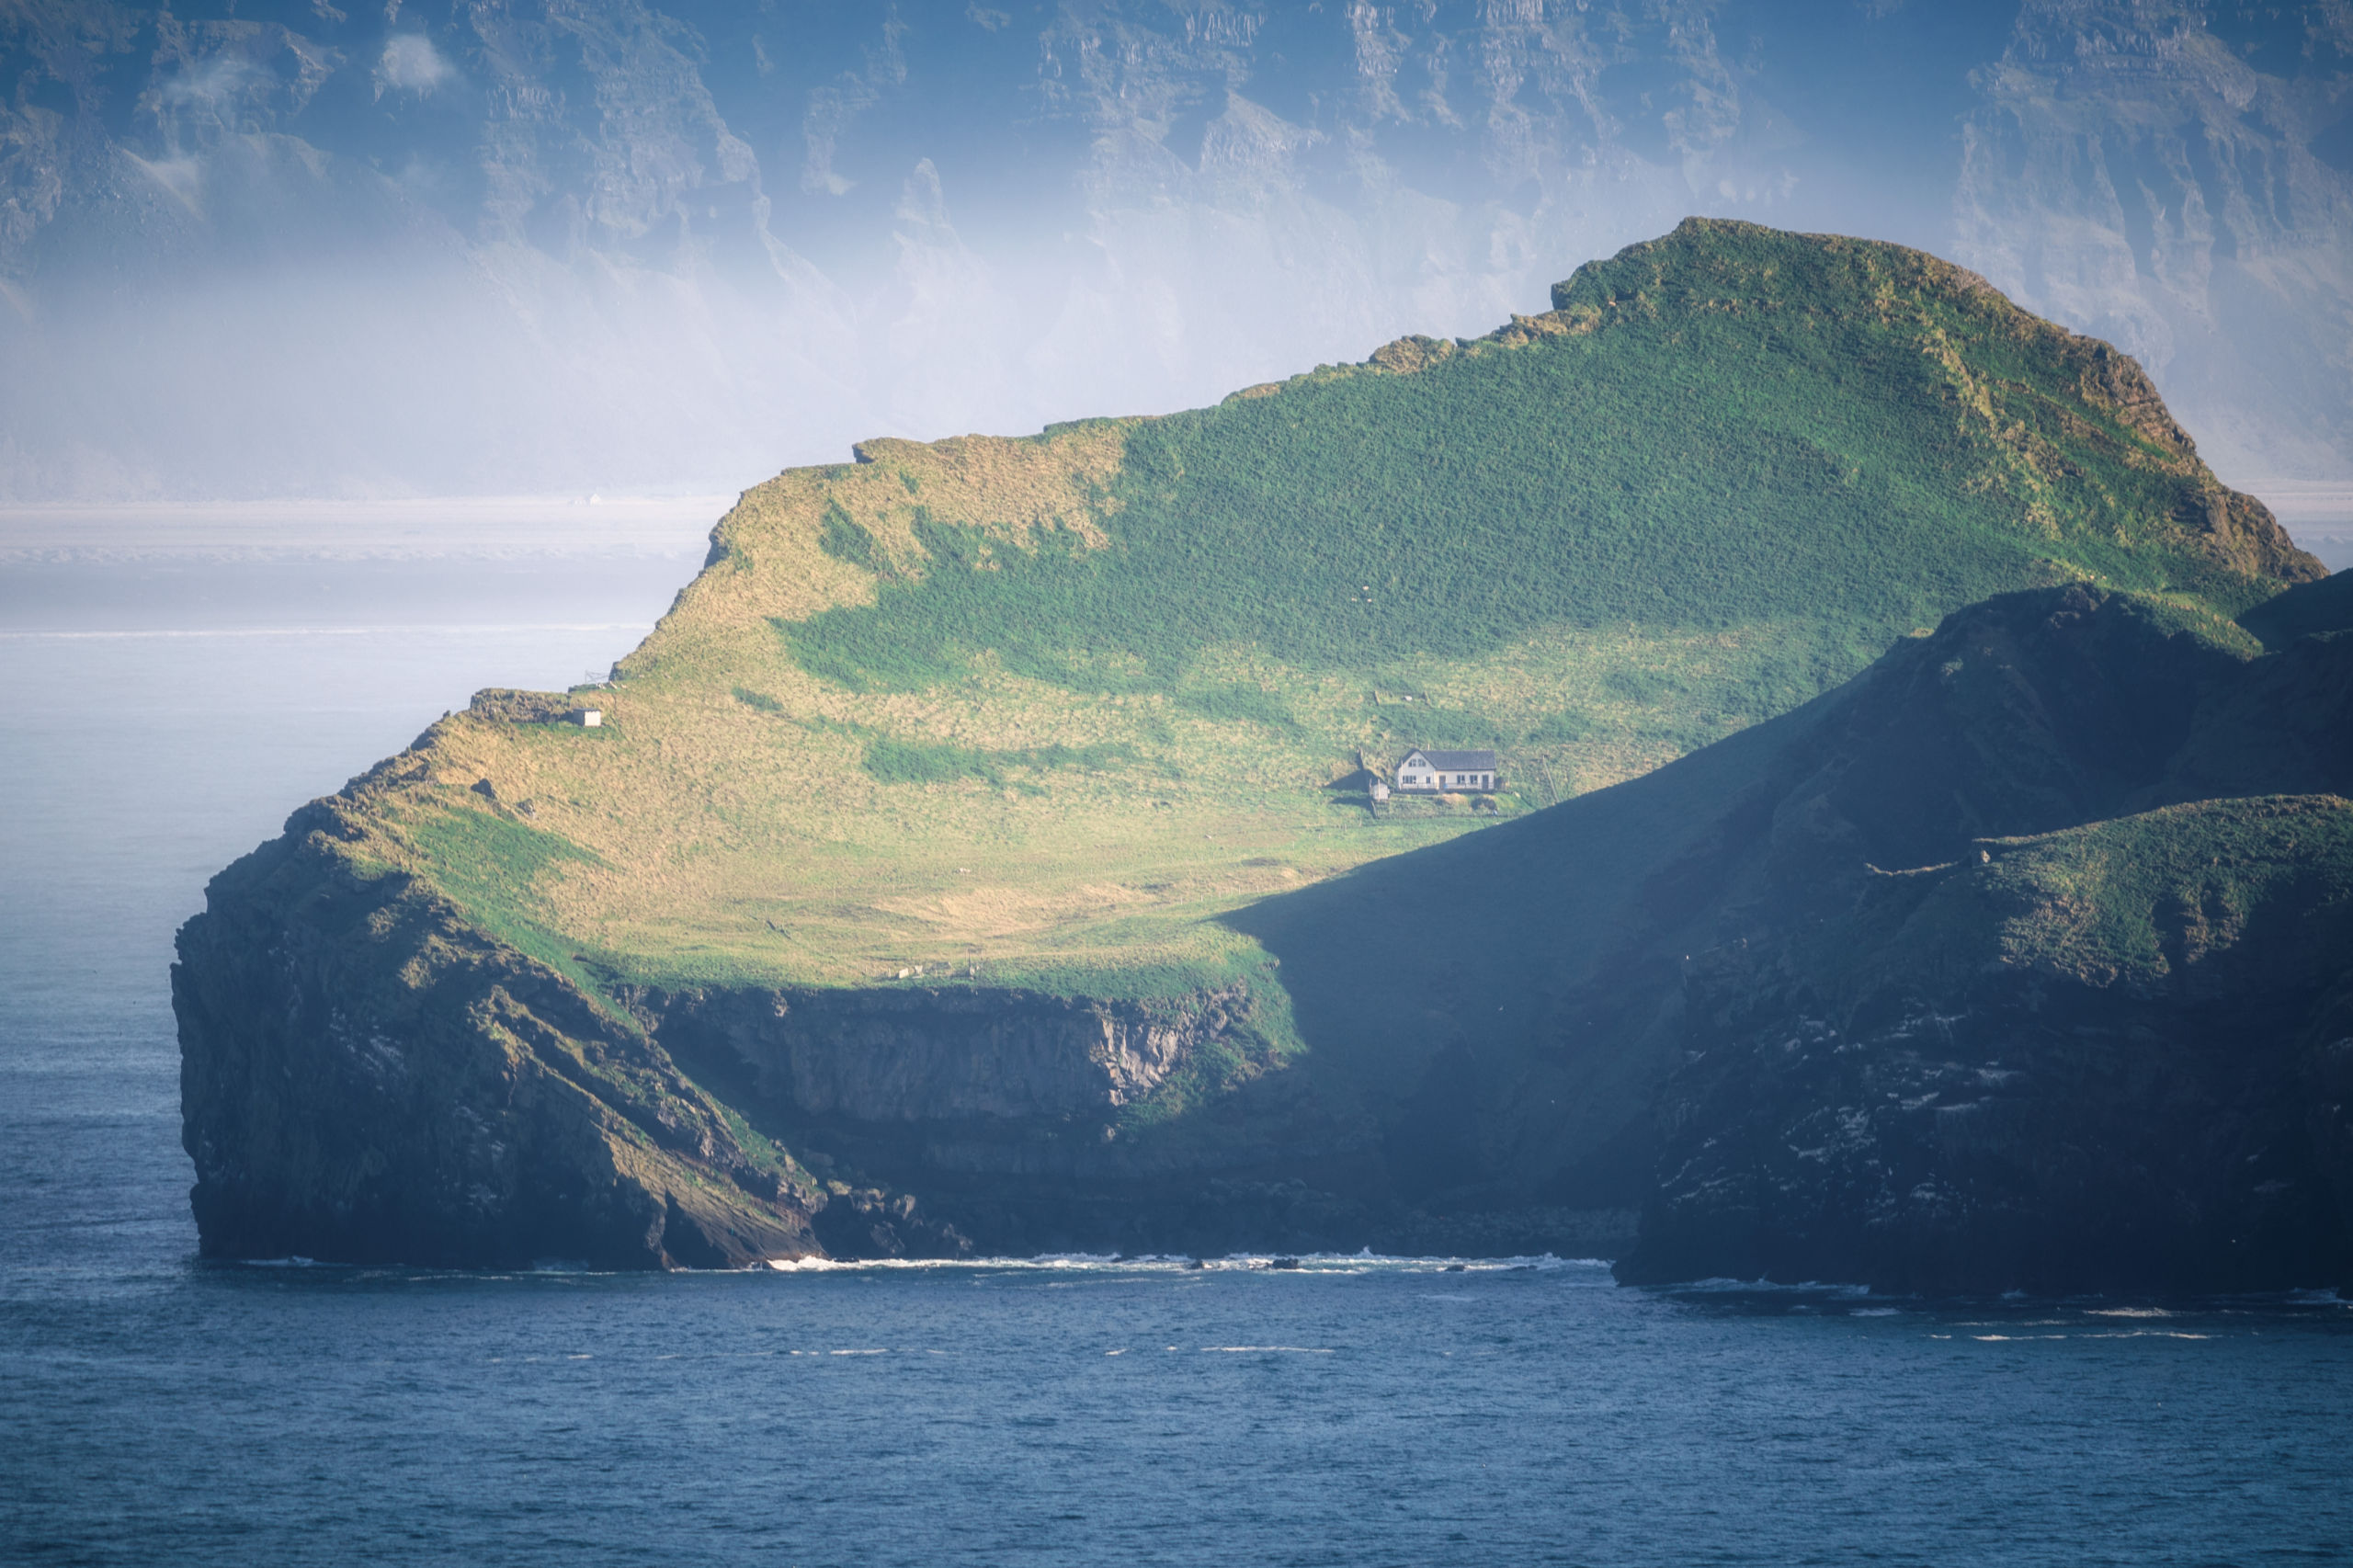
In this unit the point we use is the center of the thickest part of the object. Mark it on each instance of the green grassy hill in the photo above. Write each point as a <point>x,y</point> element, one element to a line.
<point>1072,715</point>
<point>1047,705</point>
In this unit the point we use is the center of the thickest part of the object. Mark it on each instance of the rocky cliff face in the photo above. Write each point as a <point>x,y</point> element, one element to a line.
<point>366,1077</point>
<point>1018,1121</point>
<point>945,1055</point>
<point>2003,1118</point>
<point>945,1120</point>
<point>1994,1015</point>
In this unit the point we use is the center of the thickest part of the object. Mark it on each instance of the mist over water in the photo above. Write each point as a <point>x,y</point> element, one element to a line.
<point>180,679</point>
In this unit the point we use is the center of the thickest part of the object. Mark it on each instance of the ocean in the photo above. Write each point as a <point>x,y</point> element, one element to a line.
<point>168,698</point>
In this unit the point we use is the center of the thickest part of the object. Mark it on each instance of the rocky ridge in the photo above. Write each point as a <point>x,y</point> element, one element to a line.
<point>2000,1012</point>
<point>367,1076</point>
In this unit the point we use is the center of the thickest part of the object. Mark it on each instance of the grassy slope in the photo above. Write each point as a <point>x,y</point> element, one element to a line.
<point>2145,901</point>
<point>2158,901</point>
<point>1041,710</point>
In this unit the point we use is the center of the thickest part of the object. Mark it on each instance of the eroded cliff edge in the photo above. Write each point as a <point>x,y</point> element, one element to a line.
<point>367,1076</point>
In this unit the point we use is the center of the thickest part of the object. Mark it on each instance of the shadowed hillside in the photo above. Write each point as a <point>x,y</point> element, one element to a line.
<point>1963,884</point>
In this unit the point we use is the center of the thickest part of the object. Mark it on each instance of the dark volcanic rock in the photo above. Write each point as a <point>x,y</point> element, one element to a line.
<point>1995,1112</point>
<point>949,1118</point>
<point>1986,1011</point>
<point>365,1077</point>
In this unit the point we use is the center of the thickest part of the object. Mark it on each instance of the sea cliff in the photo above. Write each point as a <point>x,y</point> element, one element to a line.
<point>980,855</point>
<point>367,1077</point>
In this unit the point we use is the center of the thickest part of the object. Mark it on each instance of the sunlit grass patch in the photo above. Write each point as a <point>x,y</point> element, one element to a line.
<point>930,705</point>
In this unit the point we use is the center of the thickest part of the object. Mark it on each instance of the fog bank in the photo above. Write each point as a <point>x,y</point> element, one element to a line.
<point>457,248</point>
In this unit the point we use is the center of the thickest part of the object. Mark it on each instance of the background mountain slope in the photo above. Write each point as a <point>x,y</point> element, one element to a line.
<point>282,248</point>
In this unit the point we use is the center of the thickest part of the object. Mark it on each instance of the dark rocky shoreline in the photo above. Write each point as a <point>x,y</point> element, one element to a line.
<point>366,1079</point>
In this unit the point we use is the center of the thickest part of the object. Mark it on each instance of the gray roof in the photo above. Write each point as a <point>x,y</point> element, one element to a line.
<point>1460,761</point>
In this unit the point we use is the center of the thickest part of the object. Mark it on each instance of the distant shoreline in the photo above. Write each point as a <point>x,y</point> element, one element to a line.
<point>472,528</point>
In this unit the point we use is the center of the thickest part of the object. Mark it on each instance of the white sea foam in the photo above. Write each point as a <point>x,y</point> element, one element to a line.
<point>1723,1285</point>
<point>1164,1263</point>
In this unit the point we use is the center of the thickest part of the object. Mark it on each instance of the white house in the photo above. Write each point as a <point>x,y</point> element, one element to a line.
<point>1433,772</point>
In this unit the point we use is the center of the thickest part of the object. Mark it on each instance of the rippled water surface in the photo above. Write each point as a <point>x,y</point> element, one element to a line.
<point>1344,1412</point>
<point>156,1410</point>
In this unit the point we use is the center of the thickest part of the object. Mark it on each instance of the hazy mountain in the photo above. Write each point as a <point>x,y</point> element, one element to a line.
<point>280,248</point>
<point>2174,178</point>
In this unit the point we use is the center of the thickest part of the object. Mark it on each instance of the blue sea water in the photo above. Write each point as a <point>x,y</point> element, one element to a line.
<point>1355,1411</point>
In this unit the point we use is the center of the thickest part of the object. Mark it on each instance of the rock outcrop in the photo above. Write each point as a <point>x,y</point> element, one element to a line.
<point>1997,1112</point>
<point>367,1077</point>
<point>948,1054</point>
<point>1997,1015</point>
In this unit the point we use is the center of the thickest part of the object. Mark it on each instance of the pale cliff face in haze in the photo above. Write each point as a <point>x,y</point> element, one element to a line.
<point>418,249</point>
